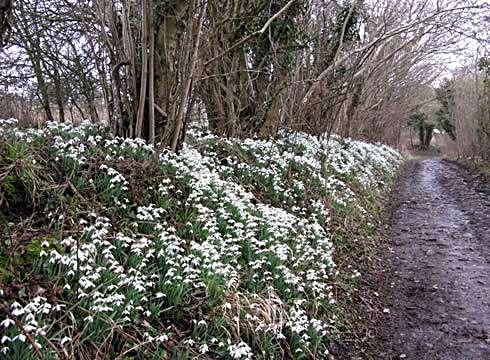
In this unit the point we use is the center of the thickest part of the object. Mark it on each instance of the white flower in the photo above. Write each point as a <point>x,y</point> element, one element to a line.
<point>287,237</point>
<point>18,312</point>
<point>203,349</point>
<point>240,350</point>
<point>7,322</point>
<point>161,338</point>
<point>20,337</point>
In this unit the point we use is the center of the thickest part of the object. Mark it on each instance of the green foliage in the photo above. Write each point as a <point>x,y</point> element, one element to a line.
<point>343,29</point>
<point>283,32</point>
<point>443,115</point>
<point>417,119</point>
<point>484,65</point>
<point>420,121</point>
<point>187,297</point>
<point>23,178</point>
<point>348,15</point>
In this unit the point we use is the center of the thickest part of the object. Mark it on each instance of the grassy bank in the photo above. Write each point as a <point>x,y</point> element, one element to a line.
<point>230,249</point>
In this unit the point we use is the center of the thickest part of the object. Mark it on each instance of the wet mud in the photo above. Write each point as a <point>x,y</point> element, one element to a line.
<point>437,273</point>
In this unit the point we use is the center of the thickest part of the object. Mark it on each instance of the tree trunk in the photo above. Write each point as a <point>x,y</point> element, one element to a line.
<point>179,121</point>
<point>429,130</point>
<point>5,11</point>
<point>151,80</point>
<point>421,129</point>
<point>144,70</point>
<point>43,90</point>
<point>165,74</point>
<point>59,94</point>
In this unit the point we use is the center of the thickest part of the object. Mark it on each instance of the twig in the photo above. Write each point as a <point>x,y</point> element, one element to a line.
<point>74,189</point>
<point>133,348</point>
<point>256,33</point>
<point>160,110</point>
<point>29,337</point>
<point>52,346</point>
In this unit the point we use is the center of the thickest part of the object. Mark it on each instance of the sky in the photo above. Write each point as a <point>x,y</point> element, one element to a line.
<point>470,50</point>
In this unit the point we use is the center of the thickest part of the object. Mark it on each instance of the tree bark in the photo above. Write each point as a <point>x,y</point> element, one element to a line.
<point>151,80</point>
<point>144,70</point>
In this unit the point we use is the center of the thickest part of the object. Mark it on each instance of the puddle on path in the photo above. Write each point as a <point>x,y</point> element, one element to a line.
<point>439,291</point>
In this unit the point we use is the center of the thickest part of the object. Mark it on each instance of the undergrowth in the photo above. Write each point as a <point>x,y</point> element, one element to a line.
<point>231,249</point>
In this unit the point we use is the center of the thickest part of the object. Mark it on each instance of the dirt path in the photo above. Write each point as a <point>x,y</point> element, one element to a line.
<point>438,288</point>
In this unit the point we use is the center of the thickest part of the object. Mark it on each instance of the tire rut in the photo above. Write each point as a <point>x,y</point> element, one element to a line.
<point>438,290</point>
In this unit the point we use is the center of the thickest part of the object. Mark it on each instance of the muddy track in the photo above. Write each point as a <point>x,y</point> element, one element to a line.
<point>437,267</point>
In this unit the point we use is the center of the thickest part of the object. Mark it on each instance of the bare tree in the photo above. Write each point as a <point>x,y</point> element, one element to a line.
<point>255,67</point>
<point>5,12</point>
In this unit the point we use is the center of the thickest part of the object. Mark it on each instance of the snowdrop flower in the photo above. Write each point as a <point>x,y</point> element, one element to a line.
<point>240,351</point>
<point>287,235</point>
<point>18,312</point>
<point>7,322</point>
<point>20,337</point>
